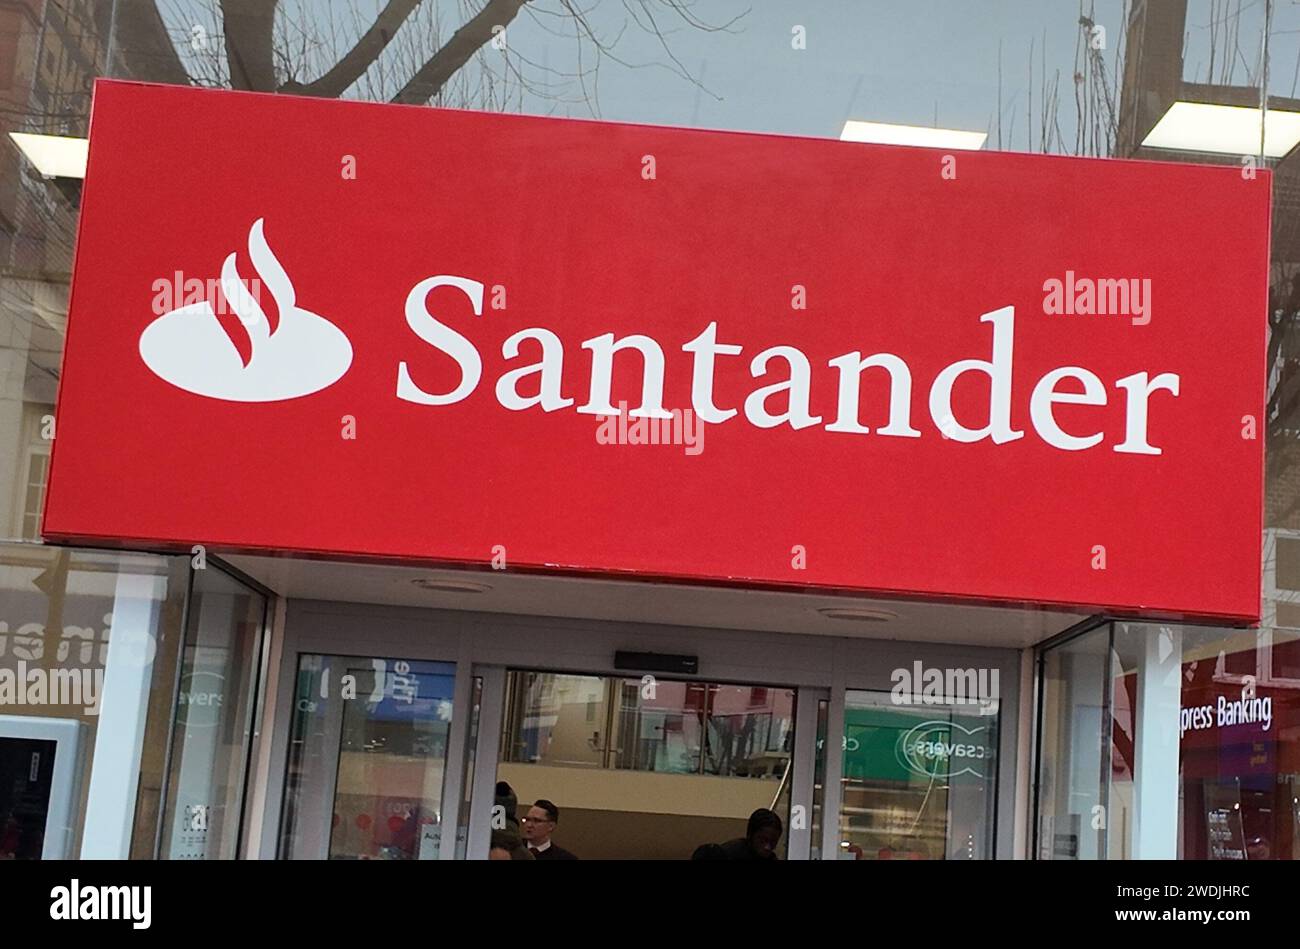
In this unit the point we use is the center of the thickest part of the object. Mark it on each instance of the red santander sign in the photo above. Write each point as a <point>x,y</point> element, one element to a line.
<point>455,337</point>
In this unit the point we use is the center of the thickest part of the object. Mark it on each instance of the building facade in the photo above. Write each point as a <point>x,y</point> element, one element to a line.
<point>204,700</point>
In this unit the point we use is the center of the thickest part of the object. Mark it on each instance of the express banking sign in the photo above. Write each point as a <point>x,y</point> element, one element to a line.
<point>397,331</point>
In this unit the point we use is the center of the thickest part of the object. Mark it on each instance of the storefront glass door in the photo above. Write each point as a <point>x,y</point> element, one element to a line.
<point>643,767</point>
<point>918,781</point>
<point>367,759</point>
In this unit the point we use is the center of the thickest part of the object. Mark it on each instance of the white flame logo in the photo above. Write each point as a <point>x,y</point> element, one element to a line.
<point>305,353</point>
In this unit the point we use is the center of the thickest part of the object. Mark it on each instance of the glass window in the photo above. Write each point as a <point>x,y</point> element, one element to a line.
<point>662,725</point>
<point>1072,749</point>
<point>1285,656</point>
<point>1239,751</point>
<point>918,781</point>
<point>750,730</point>
<point>56,621</point>
<point>367,759</point>
<point>1229,720</point>
<point>212,731</point>
<point>556,719</point>
<point>645,767</point>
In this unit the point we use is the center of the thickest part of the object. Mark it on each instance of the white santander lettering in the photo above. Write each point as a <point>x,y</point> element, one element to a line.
<point>1045,396</point>
<point>551,369</point>
<point>999,372</point>
<point>1139,392</point>
<point>798,386</point>
<point>444,338</point>
<point>705,347</point>
<point>851,366</point>
<point>788,399</point>
<point>603,349</point>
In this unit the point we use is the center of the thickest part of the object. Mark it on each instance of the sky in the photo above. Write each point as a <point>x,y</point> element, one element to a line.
<point>918,62</point>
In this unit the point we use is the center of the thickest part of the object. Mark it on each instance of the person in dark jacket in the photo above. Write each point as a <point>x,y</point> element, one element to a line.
<point>505,809</point>
<point>709,852</point>
<point>762,834</point>
<point>508,845</point>
<point>539,824</point>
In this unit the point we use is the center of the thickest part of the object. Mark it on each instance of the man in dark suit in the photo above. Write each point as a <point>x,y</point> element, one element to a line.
<point>539,824</point>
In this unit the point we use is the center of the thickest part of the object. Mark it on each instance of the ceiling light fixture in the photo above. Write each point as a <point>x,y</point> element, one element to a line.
<point>858,614</point>
<point>882,133</point>
<point>1224,129</point>
<point>55,156</point>
<point>436,585</point>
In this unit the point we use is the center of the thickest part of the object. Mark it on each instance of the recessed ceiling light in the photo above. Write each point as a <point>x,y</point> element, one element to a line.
<point>55,156</point>
<point>1224,129</point>
<point>882,133</point>
<point>859,614</point>
<point>436,585</point>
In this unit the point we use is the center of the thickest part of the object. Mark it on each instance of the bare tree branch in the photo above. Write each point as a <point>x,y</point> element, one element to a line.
<point>457,51</point>
<point>250,34</point>
<point>143,46</point>
<point>358,59</point>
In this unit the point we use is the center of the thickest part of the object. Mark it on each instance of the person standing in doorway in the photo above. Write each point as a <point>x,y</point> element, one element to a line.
<point>539,824</point>
<point>762,834</point>
<point>508,845</point>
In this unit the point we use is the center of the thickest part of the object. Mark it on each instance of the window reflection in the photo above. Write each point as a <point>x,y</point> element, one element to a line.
<point>1239,746</point>
<point>57,612</point>
<point>646,767</point>
<point>673,727</point>
<point>367,759</point>
<point>213,719</point>
<point>918,782</point>
<point>1072,749</point>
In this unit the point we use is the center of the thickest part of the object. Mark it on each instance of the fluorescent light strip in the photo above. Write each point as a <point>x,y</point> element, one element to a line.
<point>1224,129</point>
<point>55,156</point>
<point>882,133</point>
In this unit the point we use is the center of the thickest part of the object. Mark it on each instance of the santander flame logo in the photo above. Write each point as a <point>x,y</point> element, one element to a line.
<point>302,354</point>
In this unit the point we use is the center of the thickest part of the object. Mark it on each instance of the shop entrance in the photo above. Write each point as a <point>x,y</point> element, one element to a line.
<point>393,727</point>
<point>644,767</point>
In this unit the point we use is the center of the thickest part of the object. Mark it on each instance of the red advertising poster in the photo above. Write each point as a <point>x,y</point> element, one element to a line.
<point>451,337</point>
